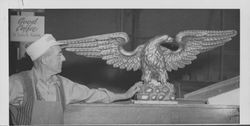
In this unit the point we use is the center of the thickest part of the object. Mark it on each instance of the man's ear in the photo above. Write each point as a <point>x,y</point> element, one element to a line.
<point>44,60</point>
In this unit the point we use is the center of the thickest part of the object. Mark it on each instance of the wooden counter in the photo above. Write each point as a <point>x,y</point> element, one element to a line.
<point>150,114</point>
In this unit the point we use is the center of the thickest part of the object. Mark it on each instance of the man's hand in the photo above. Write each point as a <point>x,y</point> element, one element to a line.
<point>134,89</point>
<point>130,92</point>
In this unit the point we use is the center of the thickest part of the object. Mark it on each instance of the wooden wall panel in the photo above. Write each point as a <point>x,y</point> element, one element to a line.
<point>231,53</point>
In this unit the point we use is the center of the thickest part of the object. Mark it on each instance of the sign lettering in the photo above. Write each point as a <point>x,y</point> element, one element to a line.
<point>26,28</point>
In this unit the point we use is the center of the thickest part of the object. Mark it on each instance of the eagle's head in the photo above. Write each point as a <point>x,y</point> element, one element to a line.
<point>168,42</point>
<point>162,39</point>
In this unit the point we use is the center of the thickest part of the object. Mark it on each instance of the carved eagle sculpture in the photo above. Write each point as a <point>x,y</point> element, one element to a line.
<point>153,59</point>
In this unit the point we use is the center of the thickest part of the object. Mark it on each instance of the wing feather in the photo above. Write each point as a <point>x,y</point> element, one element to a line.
<point>109,48</point>
<point>193,42</point>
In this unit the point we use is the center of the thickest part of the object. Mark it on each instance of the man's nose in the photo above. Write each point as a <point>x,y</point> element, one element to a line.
<point>63,58</point>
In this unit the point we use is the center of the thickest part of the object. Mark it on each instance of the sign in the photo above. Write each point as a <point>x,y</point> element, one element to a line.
<point>26,28</point>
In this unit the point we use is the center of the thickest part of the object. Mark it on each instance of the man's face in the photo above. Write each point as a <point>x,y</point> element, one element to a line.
<point>55,59</point>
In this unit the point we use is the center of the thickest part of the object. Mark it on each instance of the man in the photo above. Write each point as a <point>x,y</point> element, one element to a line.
<point>39,96</point>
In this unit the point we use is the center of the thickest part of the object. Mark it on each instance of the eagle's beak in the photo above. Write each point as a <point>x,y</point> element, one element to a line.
<point>169,40</point>
<point>164,39</point>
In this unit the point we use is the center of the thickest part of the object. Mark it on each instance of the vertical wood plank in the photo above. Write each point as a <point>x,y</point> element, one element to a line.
<point>222,50</point>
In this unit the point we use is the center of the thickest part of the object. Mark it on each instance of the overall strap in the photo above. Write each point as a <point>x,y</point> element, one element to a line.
<point>23,112</point>
<point>62,94</point>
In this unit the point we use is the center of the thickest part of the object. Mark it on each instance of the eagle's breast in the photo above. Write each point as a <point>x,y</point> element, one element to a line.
<point>153,57</point>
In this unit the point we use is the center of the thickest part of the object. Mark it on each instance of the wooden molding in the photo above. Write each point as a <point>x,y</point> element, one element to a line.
<point>214,89</point>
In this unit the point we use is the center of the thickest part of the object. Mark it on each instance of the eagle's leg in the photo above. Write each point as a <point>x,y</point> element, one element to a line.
<point>167,87</point>
<point>163,76</point>
<point>146,76</point>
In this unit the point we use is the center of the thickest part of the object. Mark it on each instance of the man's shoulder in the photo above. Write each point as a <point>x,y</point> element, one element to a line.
<point>62,77</point>
<point>65,80</point>
<point>18,76</point>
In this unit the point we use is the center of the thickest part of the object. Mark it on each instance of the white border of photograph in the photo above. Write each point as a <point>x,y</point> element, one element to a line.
<point>243,5</point>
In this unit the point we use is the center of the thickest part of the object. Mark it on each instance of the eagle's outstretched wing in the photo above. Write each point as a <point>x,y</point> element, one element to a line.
<point>192,43</point>
<point>109,48</point>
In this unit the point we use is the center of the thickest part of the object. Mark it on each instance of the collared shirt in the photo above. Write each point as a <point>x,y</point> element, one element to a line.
<point>74,92</point>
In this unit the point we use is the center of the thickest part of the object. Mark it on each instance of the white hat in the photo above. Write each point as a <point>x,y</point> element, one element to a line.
<point>40,46</point>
